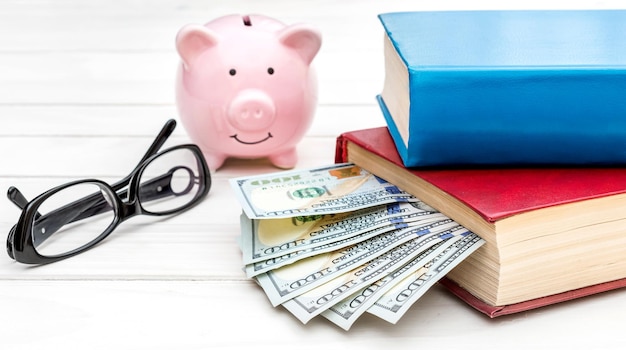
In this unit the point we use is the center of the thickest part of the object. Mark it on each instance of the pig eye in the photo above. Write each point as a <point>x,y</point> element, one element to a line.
<point>232,71</point>
<point>270,71</point>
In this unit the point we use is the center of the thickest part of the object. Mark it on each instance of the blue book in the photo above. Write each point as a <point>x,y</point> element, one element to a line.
<point>541,87</point>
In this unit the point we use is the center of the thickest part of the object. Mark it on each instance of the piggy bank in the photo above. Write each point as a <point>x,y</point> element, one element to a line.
<point>246,88</point>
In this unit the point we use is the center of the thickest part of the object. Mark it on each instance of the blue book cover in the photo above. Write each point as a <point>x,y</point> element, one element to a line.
<point>544,87</point>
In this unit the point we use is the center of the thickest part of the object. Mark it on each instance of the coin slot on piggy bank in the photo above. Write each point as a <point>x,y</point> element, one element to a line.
<point>246,87</point>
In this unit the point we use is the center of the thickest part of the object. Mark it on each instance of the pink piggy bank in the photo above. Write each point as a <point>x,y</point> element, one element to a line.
<point>246,88</point>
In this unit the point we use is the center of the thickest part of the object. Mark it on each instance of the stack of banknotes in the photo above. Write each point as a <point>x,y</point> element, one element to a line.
<point>338,241</point>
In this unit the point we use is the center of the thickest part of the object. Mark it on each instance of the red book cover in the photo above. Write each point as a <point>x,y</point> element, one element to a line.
<point>495,311</point>
<point>496,193</point>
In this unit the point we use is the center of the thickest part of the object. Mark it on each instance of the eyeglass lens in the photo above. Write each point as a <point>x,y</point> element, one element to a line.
<point>71,218</point>
<point>170,181</point>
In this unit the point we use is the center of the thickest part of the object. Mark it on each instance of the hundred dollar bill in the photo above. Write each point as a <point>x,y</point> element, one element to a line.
<point>289,281</point>
<point>270,238</point>
<point>312,303</point>
<point>260,267</point>
<point>335,189</point>
<point>392,305</point>
<point>348,310</point>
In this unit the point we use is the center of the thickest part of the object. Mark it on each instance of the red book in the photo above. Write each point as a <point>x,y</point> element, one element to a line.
<point>553,234</point>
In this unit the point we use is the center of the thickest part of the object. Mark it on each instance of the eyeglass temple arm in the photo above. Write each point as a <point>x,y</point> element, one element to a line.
<point>16,197</point>
<point>160,139</point>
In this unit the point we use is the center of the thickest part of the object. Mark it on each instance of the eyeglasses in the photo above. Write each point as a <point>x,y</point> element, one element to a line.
<point>74,217</point>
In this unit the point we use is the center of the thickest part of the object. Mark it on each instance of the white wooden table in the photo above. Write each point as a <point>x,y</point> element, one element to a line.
<point>85,86</point>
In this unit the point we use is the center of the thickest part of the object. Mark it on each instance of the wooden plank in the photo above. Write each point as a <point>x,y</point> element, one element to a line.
<point>28,121</point>
<point>95,156</point>
<point>130,78</point>
<point>236,315</point>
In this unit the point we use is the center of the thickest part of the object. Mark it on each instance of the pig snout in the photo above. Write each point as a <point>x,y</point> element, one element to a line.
<point>251,110</point>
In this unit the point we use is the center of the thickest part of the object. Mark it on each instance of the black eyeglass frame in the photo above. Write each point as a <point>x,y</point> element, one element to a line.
<point>20,243</point>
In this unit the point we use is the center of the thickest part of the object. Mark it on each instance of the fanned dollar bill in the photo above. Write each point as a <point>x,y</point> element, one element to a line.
<point>271,238</point>
<point>347,311</point>
<point>316,301</point>
<point>292,280</point>
<point>394,303</point>
<point>306,251</point>
<point>335,189</point>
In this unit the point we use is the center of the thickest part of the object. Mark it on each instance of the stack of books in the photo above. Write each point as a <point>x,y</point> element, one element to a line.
<point>513,124</point>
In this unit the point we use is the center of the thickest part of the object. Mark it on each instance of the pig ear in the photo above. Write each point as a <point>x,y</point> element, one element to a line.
<point>305,40</point>
<point>192,40</point>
